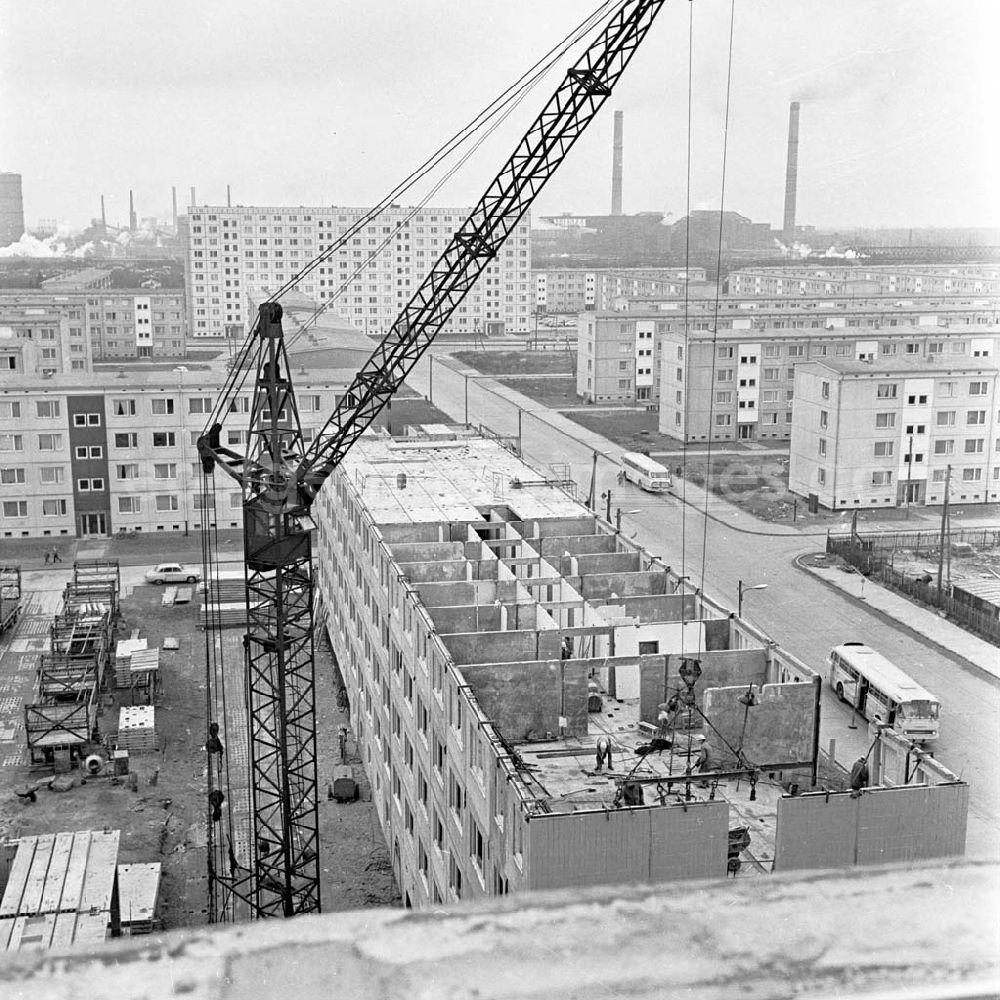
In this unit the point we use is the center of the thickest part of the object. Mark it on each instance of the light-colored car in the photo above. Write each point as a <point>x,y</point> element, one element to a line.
<point>173,573</point>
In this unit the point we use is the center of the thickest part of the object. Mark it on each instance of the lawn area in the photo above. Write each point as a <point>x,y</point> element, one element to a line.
<point>634,430</point>
<point>500,363</point>
<point>555,392</point>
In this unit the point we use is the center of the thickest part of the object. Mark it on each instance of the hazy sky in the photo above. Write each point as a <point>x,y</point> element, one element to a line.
<point>326,101</point>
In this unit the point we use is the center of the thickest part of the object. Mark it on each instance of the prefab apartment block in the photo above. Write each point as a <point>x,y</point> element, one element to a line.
<point>494,640</point>
<point>879,434</point>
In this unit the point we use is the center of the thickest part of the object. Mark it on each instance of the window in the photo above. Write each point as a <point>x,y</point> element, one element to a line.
<point>162,407</point>
<point>917,400</point>
<point>122,407</point>
<point>881,479</point>
<point>947,390</point>
<point>128,471</point>
<point>49,442</point>
<point>975,417</point>
<point>86,420</point>
<point>974,446</point>
<point>49,474</point>
<point>945,447</point>
<point>885,419</point>
<point>916,428</point>
<point>15,508</point>
<point>127,440</point>
<point>769,396</point>
<point>723,420</point>
<point>165,470</point>
<point>972,475</point>
<point>53,508</point>
<point>886,390</point>
<point>822,447</point>
<point>11,442</point>
<point>796,350</point>
<point>724,375</point>
<point>724,352</point>
<point>821,476</point>
<point>89,485</point>
<point>978,388</point>
<point>165,502</point>
<point>724,396</point>
<point>824,418</point>
<point>129,505</point>
<point>945,418</point>
<point>824,390</point>
<point>84,452</point>
<point>772,374</point>
<point>9,410</point>
<point>11,477</point>
<point>883,449</point>
<point>200,404</point>
<point>164,439</point>
<point>47,409</point>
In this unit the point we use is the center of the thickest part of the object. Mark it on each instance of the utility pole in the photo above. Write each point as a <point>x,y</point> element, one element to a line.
<point>944,519</point>
<point>592,495</point>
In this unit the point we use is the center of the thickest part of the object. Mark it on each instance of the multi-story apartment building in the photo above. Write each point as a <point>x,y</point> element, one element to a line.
<point>509,658</point>
<point>41,337</point>
<point>491,639</point>
<point>896,431</point>
<point>865,279</point>
<point>738,383</point>
<point>113,323</point>
<point>238,257</point>
<point>575,290</point>
<point>86,454</point>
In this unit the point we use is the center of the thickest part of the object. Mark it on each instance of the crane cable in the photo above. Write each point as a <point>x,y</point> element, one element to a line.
<point>500,105</point>
<point>718,281</point>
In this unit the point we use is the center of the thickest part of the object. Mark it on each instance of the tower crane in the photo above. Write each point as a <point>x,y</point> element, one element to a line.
<point>280,476</point>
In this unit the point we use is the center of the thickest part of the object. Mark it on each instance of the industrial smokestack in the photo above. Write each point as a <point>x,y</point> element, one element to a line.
<point>791,173</point>
<point>616,165</point>
<point>104,218</point>
<point>193,201</point>
<point>173,191</point>
<point>132,222</point>
<point>229,197</point>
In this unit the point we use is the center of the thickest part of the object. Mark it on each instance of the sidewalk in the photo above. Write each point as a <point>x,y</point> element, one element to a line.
<point>950,637</point>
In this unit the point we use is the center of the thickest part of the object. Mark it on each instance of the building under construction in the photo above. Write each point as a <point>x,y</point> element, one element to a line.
<point>539,703</point>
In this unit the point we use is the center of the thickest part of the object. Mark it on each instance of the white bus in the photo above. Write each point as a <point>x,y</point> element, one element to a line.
<point>875,686</point>
<point>645,473</point>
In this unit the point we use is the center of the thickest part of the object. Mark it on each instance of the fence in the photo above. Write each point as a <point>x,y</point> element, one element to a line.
<point>872,555</point>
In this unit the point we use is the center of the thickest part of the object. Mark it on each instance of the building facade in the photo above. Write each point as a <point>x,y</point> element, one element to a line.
<point>576,290</point>
<point>93,455</point>
<point>111,323</point>
<point>659,357</point>
<point>238,257</point>
<point>864,279</point>
<point>896,432</point>
<point>41,338</point>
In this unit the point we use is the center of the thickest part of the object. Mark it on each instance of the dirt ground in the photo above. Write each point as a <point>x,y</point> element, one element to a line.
<point>164,818</point>
<point>500,363</point>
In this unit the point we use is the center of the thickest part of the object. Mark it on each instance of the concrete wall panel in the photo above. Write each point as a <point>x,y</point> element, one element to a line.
<point>524,700</point>
<point>779,729</point>
<point>815,831</point>
<point>588,848</point>
<point>689,843</point>
<point>912,823</point>
<point>503,647</point>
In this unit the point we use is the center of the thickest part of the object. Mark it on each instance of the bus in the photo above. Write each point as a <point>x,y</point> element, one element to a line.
<point>645,473</point>
<point>876,687</point>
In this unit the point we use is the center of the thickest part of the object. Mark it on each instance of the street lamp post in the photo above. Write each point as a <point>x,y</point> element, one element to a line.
<point>618,517</point>
<point>743,588</point>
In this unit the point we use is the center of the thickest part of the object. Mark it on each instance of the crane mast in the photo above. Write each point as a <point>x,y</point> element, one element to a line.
<point>280,477</point>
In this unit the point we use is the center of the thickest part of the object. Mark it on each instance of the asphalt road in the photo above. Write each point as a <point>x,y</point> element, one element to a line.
<point>803,614</point>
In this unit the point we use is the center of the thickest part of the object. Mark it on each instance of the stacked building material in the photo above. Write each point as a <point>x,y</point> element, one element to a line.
<point>123,660</point>
<point>212,615</point>
<point>59,890</point>
<point>144,672</point>
<point>137,729</point>
<point>138,891</point>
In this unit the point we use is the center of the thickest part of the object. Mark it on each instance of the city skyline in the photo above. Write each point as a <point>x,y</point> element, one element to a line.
<point>106,105</point>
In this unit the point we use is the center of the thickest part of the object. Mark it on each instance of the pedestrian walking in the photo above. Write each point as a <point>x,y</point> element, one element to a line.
<point>55,555</point>
<point>48,555</point>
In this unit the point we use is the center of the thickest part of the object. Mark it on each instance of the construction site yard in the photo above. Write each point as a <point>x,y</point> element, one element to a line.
<point>161,806</point>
